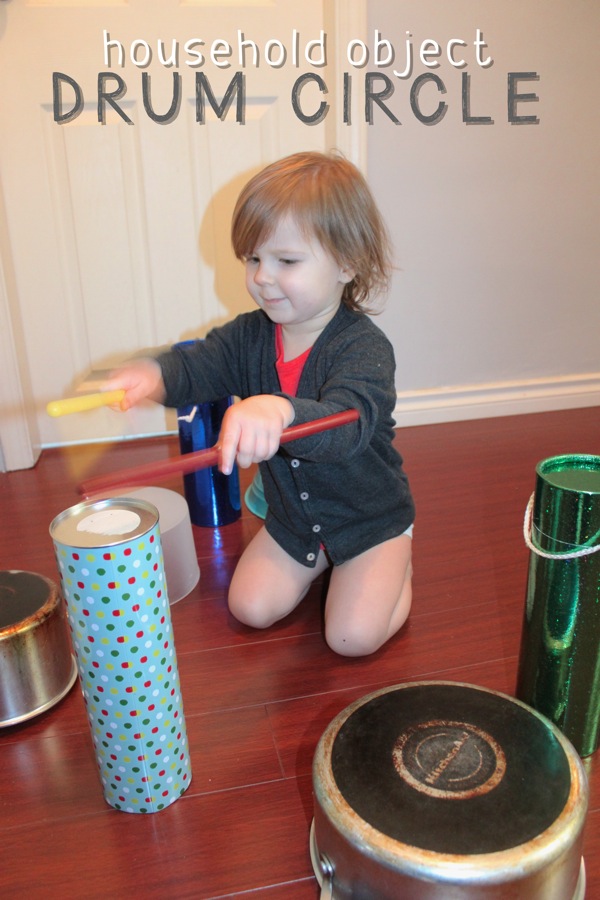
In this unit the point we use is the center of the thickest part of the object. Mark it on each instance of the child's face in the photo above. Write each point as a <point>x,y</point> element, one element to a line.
<point>294,279</point>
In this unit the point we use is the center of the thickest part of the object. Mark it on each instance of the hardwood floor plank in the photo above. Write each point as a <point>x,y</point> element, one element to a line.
<point>201,847</point>
<point>228,750</point>
<point>300,890</point>
<point>70,786</point>
<point>298,724</point>
<point>232,749</point>
<point>206,624</point>
<point>257,702</point>
<point>258,673</point>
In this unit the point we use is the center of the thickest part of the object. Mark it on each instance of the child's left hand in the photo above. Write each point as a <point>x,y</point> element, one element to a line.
<point>251,430</point>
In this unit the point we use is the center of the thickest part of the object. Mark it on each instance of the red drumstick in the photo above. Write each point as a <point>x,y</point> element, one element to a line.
<point>200,459</point>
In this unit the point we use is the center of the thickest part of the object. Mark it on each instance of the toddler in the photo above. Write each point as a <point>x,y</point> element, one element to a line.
<point>315,252</point>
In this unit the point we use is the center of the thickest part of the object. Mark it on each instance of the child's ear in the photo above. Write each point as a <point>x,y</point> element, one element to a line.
<point>347,274</point>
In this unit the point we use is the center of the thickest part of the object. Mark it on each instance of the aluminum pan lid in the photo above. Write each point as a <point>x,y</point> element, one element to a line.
<point>103,523</point>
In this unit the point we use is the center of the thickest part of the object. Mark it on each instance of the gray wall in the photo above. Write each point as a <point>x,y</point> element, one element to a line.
<point>494,307</point>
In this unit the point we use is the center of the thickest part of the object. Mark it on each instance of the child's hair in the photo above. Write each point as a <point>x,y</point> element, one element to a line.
<point>331,201</point>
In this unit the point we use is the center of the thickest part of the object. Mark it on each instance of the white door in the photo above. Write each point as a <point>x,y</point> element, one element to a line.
<point>114,234</point>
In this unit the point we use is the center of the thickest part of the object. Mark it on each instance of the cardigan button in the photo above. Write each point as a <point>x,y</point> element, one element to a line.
<point>295,463</point>
<point>304,495</point>
<point>310,557</point>
<point>316,528</point>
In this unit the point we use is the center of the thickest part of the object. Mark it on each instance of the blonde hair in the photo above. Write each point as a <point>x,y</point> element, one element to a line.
<point>330,200</point>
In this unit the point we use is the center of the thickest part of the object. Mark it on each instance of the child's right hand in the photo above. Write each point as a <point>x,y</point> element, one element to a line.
<point>141,379</point>
<point>251,430</point>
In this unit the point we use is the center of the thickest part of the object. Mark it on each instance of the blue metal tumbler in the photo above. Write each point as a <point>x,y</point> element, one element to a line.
<point>213,498</point>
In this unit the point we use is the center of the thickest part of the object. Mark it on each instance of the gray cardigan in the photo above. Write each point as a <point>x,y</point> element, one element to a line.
<point>344,488</point>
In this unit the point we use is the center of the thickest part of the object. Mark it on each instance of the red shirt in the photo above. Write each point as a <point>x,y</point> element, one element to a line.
<point>288,371</point>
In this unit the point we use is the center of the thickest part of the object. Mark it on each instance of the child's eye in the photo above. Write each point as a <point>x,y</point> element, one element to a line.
<point>288,262</point>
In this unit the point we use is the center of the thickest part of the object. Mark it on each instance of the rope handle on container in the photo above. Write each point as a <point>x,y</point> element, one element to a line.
<point>569,554</point>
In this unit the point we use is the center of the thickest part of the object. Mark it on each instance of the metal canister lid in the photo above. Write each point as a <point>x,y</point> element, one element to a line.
<point>572,472</point>
<point>103,523</point>
<point>566,513</point>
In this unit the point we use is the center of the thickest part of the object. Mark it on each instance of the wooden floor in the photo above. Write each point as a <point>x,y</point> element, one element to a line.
<point>257,702</point>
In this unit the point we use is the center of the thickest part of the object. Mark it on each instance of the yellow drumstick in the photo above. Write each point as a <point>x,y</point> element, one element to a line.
<point>86,401</point>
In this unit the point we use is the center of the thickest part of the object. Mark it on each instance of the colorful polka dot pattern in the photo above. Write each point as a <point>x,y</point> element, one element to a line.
<point>120,621</point>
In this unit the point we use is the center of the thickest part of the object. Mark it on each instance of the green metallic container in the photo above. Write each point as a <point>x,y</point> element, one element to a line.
<point>559,664</point>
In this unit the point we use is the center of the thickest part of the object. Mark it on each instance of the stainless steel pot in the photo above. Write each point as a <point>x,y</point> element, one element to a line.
<point>445,791</point>
<point>37,668</point>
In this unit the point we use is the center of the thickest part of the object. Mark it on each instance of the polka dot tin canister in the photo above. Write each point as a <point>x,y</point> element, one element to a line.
<point>111,567</point>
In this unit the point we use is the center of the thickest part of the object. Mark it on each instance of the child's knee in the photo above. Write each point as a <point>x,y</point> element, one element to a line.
<point>249,609</point>
<point>360,636</point>
<point>348,641</point>
<point>261,608</point>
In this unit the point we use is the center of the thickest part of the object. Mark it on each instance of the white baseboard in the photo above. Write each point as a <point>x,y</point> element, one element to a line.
<point>507,398</point>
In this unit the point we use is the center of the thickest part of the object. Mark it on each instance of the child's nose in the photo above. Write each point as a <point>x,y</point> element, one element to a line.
<point>262,274</point>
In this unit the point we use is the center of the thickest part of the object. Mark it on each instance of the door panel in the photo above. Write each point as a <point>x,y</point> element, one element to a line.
<point>119,233</point>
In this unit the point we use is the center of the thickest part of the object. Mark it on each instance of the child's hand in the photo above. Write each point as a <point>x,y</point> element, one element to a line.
<point>251,430</point>
<point>141,379</point>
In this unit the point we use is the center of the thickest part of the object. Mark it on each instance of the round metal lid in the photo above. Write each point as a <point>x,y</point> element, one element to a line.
<point>103,523</point>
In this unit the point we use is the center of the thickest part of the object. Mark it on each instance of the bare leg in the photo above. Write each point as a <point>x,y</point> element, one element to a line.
<point>369,598</point>
<point>267,583</point>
